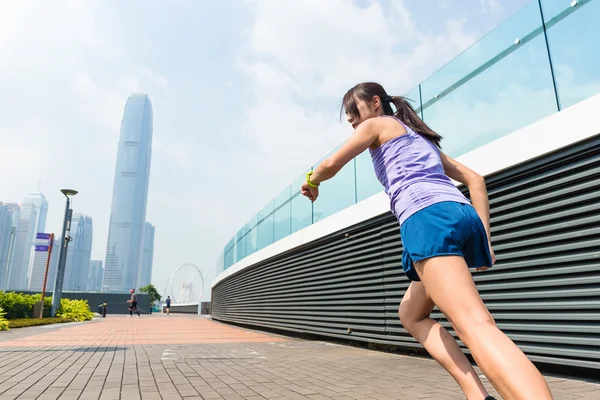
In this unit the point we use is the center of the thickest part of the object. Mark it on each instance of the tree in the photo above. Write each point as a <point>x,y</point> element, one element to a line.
<point>152,293</point>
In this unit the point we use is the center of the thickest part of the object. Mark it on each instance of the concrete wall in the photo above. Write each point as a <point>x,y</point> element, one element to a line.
<point>182,309</point>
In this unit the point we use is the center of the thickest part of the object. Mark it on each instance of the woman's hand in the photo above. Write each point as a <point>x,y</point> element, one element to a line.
<point>310,192</point>
<point>493,259</point>
<point>492,254</point>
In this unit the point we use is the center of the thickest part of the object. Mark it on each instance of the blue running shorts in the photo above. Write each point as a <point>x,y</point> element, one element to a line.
<point>444,229</point>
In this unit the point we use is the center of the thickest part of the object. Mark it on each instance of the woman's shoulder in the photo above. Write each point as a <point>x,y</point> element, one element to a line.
<point>388,128</point>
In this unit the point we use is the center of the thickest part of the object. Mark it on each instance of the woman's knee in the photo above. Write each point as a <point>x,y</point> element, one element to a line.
<point>409,317</point>
<point>474,329</point>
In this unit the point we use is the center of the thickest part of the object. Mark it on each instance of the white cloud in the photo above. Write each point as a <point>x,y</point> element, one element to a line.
<point>490,6</point>
<point>300,54</point>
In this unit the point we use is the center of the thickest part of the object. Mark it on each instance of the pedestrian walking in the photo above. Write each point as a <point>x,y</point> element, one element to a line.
<point>133,304</point>
<point>168,301</point>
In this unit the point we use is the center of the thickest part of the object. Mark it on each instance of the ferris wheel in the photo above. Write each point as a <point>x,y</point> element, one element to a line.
<point>186,284</point>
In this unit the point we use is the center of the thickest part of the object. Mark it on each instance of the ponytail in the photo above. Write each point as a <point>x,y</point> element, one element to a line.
<point>366,91</point>
<point>406,113</point>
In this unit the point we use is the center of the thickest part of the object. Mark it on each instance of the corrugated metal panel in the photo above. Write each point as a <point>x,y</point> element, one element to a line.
<point>544,291</point>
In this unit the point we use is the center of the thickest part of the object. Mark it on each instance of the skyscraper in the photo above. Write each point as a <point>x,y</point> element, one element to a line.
<point>79,253</point>
<point>38,202</point>
<point>19,266</point>
<point>130,195</point>
<point>9,221</point>
<point>16,218</point>
<point>33,214</point>
<point>38,270</point>
<point>145,269</point>
<point>95,276</point>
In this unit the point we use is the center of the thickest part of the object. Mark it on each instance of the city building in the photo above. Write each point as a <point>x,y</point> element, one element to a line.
<point>38,270</point>
<point>130,195</point>
<point>19,266</point>
<point>9,221</point>
<point>79,253</point>
<point>33,213</point>
<point>38,201</point>
<point>145,268</point>
<point>95,276</point>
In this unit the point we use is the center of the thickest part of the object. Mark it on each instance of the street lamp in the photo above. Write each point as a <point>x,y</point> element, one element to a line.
<point>62,257</point>
<point>69,192</point>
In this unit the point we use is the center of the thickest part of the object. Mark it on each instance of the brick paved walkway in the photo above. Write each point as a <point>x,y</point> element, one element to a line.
<point>159,357</point>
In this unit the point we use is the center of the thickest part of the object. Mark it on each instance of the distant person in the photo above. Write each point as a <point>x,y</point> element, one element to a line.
<point>168,305</point>
<point>133,304</point>
<point>443,235</point>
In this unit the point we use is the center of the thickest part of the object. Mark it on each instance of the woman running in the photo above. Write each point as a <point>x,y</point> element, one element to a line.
<point>443,235</point>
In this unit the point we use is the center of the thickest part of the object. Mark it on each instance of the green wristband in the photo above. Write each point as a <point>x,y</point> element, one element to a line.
<point>308,175</point>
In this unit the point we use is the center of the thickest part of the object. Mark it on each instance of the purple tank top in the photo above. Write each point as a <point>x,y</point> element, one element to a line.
<point>411,170</point>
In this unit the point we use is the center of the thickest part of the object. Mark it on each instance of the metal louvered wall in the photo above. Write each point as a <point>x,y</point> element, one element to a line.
<point>544,291</point>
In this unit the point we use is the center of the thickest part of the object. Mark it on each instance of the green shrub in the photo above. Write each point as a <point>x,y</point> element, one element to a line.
<point>19,306</point>
<point>3,321</point>
<point>77,310</point>
<point>16,305</point>
<point>25,322</point>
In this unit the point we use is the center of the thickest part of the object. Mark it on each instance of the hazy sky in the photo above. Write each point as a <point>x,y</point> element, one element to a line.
<point>245,97</point>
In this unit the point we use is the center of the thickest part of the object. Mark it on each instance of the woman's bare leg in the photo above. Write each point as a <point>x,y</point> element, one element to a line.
<point>451,287</point>
<point>414,313</point>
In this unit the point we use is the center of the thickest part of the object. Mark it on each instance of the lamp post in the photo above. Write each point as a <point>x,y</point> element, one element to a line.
<point>62,257</point>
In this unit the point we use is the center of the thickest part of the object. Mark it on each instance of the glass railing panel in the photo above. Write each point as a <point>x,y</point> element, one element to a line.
<point>265,226</point>
<point>230,244</point>
<point>573,35</point>
<point>229,258</point>
<point>414,98</point>
<point>240,244</point>
<point>282,217</point>
<point>367,184</point>
<point>252,236</point>
<point>337,193</point>
<point>561,9</point>
<point>300,205</point>
<point>510,87</point>
<point>229,254</point>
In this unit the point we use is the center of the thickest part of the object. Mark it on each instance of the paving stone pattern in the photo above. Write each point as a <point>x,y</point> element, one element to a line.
<point>189,357</point>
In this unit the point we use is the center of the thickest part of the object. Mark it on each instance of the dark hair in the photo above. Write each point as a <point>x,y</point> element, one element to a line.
<point>404,111</point>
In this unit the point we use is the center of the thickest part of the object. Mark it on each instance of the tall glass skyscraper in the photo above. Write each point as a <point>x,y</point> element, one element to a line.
<point>38,201</point>
<point>77,267</point>
<point>145,269</point>
<point>95,276</point>
<point>19,266</point>
<point>10,214</point>
<point>130,195</point>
